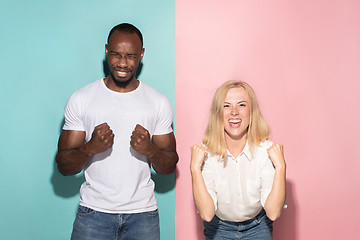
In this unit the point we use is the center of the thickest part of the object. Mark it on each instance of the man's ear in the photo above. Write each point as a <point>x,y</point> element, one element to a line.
<point>106,49</point>
<point>142,53</point>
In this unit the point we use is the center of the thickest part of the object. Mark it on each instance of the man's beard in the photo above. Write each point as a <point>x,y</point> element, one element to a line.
<point>121,84</point>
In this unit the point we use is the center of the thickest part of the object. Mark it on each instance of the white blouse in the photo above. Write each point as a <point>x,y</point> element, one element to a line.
<point>239,186</point>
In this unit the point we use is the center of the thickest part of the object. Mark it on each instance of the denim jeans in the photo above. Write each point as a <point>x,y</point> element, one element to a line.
<point>258,228</point>
<point>93,225</point>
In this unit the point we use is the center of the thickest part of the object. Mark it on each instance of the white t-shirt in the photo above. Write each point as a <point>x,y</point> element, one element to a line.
<point>239,186</point>
<point>119,179</point>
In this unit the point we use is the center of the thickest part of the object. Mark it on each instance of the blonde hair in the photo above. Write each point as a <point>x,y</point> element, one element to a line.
<point>214,137</point>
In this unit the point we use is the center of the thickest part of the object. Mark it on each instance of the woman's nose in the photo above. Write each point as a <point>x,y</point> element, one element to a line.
<point>234,111</point>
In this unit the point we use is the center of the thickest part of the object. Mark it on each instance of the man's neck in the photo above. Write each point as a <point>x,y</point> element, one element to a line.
<point>134,83</point>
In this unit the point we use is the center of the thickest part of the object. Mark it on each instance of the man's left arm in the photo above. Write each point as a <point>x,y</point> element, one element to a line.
<point>161,151</point>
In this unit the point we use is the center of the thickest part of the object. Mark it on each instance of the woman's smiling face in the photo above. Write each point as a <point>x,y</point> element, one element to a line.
<point>236,114</point>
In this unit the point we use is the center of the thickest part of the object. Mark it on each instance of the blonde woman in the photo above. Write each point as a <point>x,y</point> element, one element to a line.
<point>238,175</point>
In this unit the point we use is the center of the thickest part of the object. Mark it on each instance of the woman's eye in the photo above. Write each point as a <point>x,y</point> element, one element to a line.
<point>226,105</point>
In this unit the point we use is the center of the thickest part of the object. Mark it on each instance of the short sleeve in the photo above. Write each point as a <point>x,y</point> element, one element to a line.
<point>267,178</point>
<point>165,118</point>
<point>73,113</point>
<point>209,179</point>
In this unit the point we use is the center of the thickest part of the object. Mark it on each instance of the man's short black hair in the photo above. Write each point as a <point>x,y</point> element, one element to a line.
<point>127,28</point>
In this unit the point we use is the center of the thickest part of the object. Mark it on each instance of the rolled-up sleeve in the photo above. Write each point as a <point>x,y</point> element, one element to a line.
<point>266,178</point>
<point>209,176</point>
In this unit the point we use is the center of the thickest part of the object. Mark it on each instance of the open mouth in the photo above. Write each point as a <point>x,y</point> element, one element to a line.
<point>121,74</point>
<point>124,72</point>
<point>234,122</point>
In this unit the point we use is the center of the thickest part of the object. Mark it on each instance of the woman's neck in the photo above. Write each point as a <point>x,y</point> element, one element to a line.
<point>235,146</point>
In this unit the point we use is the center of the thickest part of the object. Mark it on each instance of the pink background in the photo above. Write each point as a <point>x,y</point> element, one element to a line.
<point>303,60</point>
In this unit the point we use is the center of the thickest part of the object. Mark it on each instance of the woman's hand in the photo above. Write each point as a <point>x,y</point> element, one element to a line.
<point>203,201</point>
<point>276,154</point>
<point>198,154</point>
<point>275,201</point>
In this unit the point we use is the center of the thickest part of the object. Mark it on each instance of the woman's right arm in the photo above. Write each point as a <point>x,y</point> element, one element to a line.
<point>203,201</point>
<point>275,201</point>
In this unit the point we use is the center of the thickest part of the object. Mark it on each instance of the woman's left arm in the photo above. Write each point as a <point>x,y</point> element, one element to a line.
<point>276,199</point>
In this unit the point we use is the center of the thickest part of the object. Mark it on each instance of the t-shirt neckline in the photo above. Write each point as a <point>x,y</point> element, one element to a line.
<point>120,93</point>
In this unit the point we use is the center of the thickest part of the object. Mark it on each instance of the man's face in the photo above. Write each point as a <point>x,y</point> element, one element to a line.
<point>124,53</point>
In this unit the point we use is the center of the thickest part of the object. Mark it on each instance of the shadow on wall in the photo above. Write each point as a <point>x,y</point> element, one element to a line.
<point>163,183</point>
<point>284,227</point>
<point>65,186</point>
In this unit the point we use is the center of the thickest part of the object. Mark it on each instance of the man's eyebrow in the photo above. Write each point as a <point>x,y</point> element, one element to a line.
<point>111,51</point>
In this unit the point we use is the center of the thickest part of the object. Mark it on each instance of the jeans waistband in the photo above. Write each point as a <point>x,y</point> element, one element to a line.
<point>257,217</point>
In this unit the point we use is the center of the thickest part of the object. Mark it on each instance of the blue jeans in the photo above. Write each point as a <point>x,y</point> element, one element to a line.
<point>93,225</point>
<point>257,228</point>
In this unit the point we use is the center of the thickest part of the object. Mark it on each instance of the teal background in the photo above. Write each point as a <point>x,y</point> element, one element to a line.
<point>49,49</point>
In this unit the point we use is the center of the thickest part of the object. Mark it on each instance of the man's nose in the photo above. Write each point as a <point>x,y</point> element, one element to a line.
<point>122,62</point>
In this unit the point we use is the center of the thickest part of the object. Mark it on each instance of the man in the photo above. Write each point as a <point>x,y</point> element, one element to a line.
<point>115,129</point>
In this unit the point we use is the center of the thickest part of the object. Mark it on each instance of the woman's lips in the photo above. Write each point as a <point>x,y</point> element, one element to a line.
<point>234,122</point>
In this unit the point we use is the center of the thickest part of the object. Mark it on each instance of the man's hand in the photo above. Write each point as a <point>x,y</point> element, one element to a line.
<point>102,139</point>
<point>140,141</point>
<point>161,151</point>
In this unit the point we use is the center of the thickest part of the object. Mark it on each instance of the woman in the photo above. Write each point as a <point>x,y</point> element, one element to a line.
<point>238,175</point>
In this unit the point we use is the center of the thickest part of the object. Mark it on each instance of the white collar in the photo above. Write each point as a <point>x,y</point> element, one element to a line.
<point>245,151</point>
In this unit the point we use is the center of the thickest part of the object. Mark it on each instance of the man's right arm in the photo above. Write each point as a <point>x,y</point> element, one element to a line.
<point>73,154</point>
